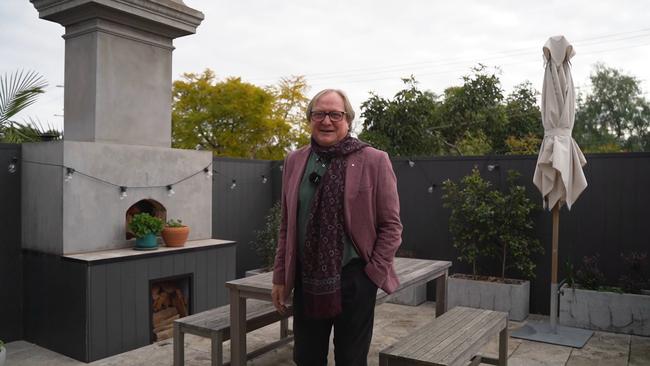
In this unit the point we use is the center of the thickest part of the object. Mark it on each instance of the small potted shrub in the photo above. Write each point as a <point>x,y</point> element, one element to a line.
<point>266,239</point>
<point>3,353</point>
<point>175,234</point>
<point>487,224</point>
<point>145,228</point>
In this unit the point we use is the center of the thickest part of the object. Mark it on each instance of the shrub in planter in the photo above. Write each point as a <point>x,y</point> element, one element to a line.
<point>588,301</point>
<point>486,225</point>
<point>266,239</point>
<point>145,228</point>
<point>637,278</point>
<point>174,233</point>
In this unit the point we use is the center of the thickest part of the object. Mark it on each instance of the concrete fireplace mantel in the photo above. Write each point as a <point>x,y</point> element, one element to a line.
<point>114,255</point>
<point>166,17</point>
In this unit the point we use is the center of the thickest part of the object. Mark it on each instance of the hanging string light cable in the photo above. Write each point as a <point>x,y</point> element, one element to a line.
<point>69,172</point>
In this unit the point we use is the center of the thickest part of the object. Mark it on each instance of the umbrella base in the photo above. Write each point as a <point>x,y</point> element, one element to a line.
<point>563,336</point>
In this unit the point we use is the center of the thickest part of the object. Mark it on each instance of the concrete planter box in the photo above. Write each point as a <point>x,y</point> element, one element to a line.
<point>412,296</point>
<point>508,297</point>
<point>607,311</point>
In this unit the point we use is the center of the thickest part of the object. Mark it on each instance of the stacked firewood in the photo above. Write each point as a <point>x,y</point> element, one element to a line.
<point>168,304</point>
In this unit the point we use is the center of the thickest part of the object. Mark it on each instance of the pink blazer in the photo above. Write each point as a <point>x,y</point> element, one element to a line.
<point>371,206</point>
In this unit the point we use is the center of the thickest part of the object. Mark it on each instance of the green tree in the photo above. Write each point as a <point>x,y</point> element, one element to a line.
<point>524,129</point>
<point>290,105</point>
<point>475,107</point>
<point>614,115</point>
<point>230,118</point>
<point>407,125</point>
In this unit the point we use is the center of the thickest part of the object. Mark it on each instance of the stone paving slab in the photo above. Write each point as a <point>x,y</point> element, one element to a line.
<point>639,351</point>
<point>602,349</point>
<point>391,323</point>
<point>539,354</point>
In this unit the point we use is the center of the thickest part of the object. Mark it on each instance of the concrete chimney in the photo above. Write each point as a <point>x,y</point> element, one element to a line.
<point>118,66</point>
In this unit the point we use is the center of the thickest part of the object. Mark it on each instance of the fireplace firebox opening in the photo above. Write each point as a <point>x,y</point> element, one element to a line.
<point>170,300</point>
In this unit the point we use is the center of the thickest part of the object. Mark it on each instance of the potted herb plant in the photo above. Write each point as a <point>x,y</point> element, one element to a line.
<point>588,301</point>
<point>174,233</point>
<point>3,353</point>
<point>487,224</point>
<point>266,239</point>
<point>145,228</point>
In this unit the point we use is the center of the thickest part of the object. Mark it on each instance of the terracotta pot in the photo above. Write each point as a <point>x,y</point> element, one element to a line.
<point>175,236</point>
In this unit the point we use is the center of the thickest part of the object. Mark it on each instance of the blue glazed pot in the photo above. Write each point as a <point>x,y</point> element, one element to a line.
<point>146,242</point>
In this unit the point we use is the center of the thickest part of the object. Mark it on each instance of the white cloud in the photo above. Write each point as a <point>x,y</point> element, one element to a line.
<point>364,45</point>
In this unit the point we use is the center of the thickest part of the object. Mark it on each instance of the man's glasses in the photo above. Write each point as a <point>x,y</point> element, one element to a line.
<point>335,116</point>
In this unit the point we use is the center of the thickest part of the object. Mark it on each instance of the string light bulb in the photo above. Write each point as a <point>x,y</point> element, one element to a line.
<point>234,184</point>
<point>411,163</point>
<point>123,194</point>
<point>264,179</point>
<point>68,174</point>
<point>12,165</point>
<point>170,190</point>
<point>430,189</point>
<point>208,172</point>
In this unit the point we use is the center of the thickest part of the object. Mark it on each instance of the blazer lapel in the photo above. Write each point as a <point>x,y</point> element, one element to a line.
<point>293,184</point>
<point>353,175</point>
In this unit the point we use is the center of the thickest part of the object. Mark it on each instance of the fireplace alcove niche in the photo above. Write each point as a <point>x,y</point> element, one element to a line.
<point>150,206</point>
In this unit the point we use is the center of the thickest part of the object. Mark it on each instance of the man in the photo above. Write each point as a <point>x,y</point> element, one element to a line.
<point>339,233</point>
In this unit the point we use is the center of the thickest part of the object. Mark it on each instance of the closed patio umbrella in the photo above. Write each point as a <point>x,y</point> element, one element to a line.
<point>558,173</point>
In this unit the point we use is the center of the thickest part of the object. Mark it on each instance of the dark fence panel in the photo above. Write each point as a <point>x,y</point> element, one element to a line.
<point>11,276</point>
<point>611,217</point>
<point>237,212</point>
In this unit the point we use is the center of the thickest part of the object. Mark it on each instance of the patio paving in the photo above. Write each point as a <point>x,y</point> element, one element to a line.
<point>391,323</point>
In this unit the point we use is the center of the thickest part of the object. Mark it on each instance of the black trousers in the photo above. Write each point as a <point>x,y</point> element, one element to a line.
<point>352,328</point>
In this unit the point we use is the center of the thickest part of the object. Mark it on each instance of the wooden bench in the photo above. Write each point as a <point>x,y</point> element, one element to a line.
<point>454,338</point>
<point>215,324</point>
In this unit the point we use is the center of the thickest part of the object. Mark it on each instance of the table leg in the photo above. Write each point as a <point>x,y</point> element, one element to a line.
<point>503,346</point>
<point>217,349</point>
<point>441,294</point>
<point>237,328</point>
<point>179,346</point>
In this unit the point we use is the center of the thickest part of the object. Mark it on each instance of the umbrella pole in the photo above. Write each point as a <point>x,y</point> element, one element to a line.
<point>554,287</point>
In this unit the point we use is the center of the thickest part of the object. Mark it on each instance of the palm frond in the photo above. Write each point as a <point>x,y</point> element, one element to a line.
<point>32,131</point>
<point>18,91</point>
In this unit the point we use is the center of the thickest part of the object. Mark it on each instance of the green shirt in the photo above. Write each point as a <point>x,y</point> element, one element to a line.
<point>305,198</point>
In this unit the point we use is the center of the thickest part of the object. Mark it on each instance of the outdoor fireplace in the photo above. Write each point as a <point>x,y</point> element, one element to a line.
<point>116,160</point>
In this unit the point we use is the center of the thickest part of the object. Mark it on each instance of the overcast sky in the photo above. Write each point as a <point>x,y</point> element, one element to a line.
<point>363,45</point>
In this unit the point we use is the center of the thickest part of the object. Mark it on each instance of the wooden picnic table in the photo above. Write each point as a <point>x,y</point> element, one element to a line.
<point>410,271</point>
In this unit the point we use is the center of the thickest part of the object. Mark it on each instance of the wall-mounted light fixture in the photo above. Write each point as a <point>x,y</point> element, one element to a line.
<point>12,165</point>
